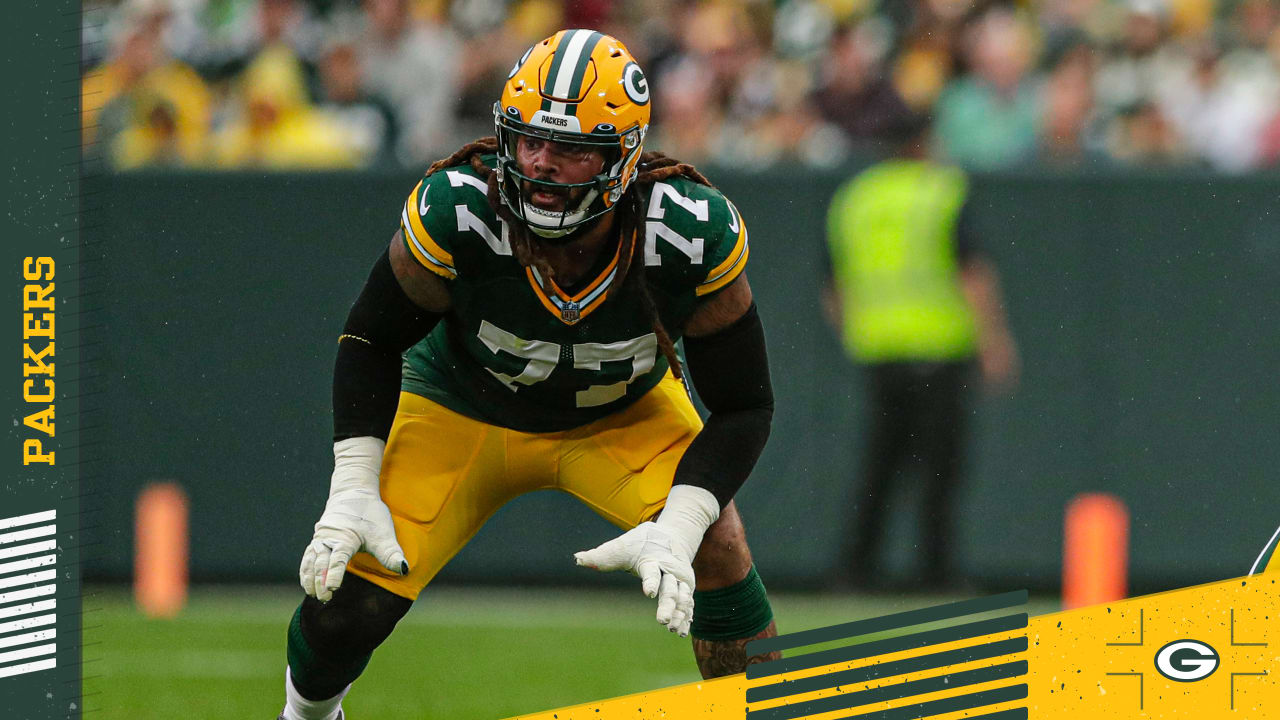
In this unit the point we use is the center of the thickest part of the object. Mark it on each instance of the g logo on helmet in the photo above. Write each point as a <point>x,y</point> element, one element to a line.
<point>634,82</point>
<point>1187,660</point>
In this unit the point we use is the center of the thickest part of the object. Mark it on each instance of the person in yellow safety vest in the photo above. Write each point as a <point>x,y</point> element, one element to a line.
<point>916,305</point>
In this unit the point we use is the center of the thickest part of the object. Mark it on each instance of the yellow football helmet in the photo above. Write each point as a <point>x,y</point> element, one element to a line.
<point>581,87</point>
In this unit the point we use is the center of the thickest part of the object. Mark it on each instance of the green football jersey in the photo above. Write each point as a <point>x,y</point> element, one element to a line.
<point>513,354</point>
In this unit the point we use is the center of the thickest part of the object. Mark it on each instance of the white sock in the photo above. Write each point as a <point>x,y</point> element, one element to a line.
<point>297,707</point>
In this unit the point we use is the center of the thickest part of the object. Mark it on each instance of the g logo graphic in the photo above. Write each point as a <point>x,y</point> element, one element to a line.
<point>634,83</point>
<point>1187,660</point>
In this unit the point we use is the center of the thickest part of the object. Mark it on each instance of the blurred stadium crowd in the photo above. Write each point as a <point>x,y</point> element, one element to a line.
<point>745,83</point>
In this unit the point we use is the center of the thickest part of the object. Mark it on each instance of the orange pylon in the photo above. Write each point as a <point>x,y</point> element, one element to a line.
<point>160,550</point>
<point>1095,562</point>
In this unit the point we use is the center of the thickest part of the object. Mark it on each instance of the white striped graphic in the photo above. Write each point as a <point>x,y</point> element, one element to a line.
<point>27,623</point>
<point>28,608</point>
<point>25,653</point>
<point>29,578</point>
<point>22,569</point>
<point>29,563</point>
<point>28,638</point>
<point>31,519</point>
<point>572,51</point>
<point>28,534</point>
<point>28,549</point>
<point>17,595</point>
<point>31,667</point>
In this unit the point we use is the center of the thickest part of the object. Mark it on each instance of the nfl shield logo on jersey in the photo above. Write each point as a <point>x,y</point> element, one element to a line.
<point>569,311</point>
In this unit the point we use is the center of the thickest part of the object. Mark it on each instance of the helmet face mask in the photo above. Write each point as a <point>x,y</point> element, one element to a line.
<point>515,186</point>
<point>580,88</point>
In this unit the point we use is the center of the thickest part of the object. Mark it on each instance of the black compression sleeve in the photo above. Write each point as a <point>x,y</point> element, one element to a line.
<point>731,371</point>
<point>382,324</point>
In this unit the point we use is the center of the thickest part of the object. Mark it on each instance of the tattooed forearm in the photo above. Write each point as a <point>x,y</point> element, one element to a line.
<point>717,658</point>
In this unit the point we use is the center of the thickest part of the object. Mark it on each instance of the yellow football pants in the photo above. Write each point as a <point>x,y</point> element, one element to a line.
<point>444,474</point>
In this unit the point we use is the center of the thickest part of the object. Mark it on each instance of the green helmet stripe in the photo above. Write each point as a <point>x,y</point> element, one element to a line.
<point>581,70</point>
<point>568,65</point>
<point>554,72</point>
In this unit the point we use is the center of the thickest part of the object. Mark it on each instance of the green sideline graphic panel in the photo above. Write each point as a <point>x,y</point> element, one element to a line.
<point>46,444</point>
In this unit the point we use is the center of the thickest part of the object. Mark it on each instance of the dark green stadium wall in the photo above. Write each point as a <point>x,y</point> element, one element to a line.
<point>1147,309</point>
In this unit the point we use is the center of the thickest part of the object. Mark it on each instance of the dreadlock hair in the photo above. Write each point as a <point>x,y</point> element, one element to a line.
<point>653,167</point>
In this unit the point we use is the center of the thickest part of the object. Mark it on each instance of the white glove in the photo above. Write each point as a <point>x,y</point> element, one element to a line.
<point>661,553</point>
<point>354,519</point>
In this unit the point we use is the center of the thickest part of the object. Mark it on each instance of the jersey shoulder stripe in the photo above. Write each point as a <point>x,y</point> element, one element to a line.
<point>443,216</point>
<point>736,261</point>
<point>421,245</point>
<point>695,235</point>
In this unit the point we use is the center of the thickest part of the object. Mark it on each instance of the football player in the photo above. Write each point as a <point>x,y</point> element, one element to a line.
<point>538,283</point>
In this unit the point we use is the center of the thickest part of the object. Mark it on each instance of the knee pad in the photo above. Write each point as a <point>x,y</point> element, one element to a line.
<point>739,611</point>
<point>358,618</point>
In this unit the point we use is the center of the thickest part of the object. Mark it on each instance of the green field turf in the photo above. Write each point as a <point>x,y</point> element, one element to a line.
<point>460,654</point>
